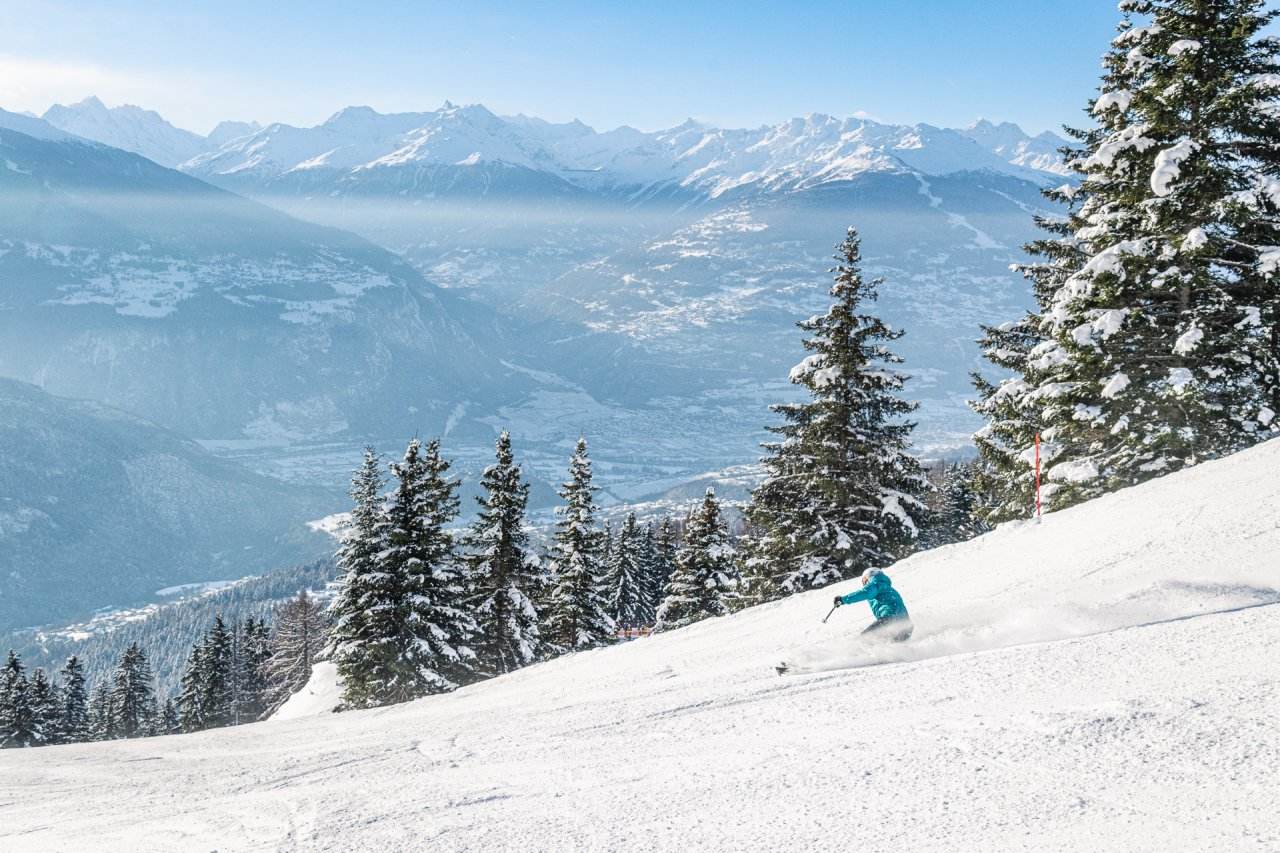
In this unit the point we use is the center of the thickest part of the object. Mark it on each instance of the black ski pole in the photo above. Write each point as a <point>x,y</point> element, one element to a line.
<point>829,612</point>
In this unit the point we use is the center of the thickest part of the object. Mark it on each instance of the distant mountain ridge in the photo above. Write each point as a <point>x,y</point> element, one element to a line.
<point>797,153</point>
<point>140,131</point>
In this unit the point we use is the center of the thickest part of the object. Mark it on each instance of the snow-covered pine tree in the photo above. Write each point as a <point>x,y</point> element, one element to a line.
<point>18,724</point>
<point>364,612</point>
<point>133,695</point>
<point>252,650</point>
<point>191,697</point>
<point>502,577</point>
<point>541,584</point>
<point>217,676</point>
<point>705,577</point>
<point>953,516</point>
<point>1158,293</point>
<point>297,640</point>
<point>841,492</point>
<point>1005,477</point>
<point>170,719</point>
<point>578,616</point>
<point>73,724</point>
<point>625,579</point>
<point>101,723</point>
<point>432,630</point>
<point>651,577</point>
<point>45,708</point>
<point>665,546</point>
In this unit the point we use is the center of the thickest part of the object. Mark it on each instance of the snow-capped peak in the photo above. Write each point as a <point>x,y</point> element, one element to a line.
<point>129,127</point>
<point>1009,142</point>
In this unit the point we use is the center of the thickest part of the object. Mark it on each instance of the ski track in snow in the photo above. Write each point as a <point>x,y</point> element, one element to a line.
<point>1106,680</point>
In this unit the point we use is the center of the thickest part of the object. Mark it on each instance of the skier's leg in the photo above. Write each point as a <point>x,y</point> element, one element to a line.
<point>874,629</point>
<point>895,628</point>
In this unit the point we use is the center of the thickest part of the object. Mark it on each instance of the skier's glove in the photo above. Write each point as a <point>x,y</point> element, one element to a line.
<point>839,601</point>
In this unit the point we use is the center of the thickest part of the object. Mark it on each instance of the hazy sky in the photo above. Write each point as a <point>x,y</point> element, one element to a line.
<point>647,64</point>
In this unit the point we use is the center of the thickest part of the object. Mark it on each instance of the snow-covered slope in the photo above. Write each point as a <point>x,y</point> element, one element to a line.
<point>1105,680</point>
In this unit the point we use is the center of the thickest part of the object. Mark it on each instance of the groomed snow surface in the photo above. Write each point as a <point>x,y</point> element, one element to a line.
<point>1106,680</point>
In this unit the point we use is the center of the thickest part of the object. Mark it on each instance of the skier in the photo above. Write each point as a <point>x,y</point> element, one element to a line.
<point>892,621</point>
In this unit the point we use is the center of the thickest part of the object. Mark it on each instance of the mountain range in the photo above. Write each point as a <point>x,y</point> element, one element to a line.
<point>455,271</point>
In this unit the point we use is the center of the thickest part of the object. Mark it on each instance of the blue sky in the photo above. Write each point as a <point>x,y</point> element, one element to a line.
<point>650,65</point>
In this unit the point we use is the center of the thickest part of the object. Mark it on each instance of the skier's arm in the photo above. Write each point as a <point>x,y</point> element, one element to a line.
<point>854,597</point>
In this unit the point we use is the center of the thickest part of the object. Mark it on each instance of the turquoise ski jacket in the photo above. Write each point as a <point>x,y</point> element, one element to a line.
<point>880,594</point>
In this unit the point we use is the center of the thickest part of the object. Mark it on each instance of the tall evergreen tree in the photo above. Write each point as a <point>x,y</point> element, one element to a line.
<point>578,615</point>
<point>74,723</point>
<point>503,579</point>
<point>192,713</point>
<point>705,577</point>
<point>665,547</point>
<point>102,725</point>
<point>46,708</point>
<point>625,580</point>
<point>296,644</point>
<point>842,493</point>
<point>1155,344</point>
<point>133,695</point>
<point>252,650</point>
<point>364,613</point>
<point>652,577</point>
<point>18,724</point>
<point>432,630</point>
<point>170,718</point>
<point>954,515</point>
<point>401,630</point>
<point>217,676</point>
